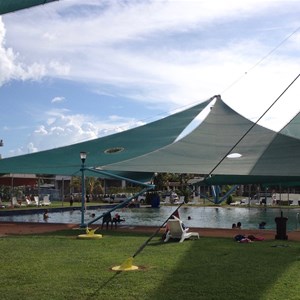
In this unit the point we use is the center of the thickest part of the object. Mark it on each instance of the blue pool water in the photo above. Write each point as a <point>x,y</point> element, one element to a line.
<point>206,217</point>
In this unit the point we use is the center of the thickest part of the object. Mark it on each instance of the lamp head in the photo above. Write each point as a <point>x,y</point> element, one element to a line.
<point>83,156</point>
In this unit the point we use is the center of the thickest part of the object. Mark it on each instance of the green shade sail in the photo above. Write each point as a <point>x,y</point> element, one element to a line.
<point>261,156</point>
<point>8,6</point>
<point>107,150</point>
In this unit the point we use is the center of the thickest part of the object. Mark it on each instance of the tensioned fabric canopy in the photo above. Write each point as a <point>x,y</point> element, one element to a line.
<point>293,127</point>
<point>7,6</point>
<point>261,156</point>
<point>107,150</point>
<point>262,152</point>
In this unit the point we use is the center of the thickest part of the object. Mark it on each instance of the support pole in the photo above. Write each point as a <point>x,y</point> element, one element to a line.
<point>82,196</point>
<point>82,157</point>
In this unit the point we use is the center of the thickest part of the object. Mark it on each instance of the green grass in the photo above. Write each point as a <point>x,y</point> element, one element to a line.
<point>60,266</point>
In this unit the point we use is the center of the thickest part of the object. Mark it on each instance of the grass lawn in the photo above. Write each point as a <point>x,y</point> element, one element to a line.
<point>60,266</point>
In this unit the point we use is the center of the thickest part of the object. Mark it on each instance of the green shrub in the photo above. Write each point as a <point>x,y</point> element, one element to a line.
<point>229,200</point>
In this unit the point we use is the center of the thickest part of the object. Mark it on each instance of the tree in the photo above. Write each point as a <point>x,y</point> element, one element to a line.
<point>75,184</point>
<point>93,185</point>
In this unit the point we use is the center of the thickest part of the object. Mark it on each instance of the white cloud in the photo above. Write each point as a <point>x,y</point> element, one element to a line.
<point>58,99</point>
<point>7,57</point>
<point>65,129</point>
<point>29,148</point>
<point>9,68</point>
<point>118,48</point>
<point>162,53</point>
<point>118,52</point>
<point>41,130</point>
<point>12,66</point>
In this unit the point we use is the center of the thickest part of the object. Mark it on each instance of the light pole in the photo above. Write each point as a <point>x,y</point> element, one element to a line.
<point>1,145</point>
<point>83,158</point>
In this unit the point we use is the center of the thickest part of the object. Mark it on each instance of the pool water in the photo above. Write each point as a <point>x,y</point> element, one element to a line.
<point>206,217</point>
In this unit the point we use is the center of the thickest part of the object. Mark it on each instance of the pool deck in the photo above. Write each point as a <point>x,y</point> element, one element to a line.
<point>9,228</point>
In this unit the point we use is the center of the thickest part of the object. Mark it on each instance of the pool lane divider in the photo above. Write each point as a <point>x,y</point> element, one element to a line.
<point>127,265</point>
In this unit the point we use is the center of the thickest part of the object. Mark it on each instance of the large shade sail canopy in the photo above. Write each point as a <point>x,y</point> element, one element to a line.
<point>8,6</point>
<point>262,152</point>
<point>217,146</point>
<point>225,147</point>
<point>107,150</point>
<point>293,127</point>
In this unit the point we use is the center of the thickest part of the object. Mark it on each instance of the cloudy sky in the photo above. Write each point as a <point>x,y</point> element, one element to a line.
<point>76,70</point>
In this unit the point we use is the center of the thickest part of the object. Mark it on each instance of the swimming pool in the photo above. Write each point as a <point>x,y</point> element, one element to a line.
<point>206,217</point>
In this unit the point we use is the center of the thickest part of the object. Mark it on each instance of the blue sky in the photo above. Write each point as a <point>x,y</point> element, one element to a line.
<point>75,70</point>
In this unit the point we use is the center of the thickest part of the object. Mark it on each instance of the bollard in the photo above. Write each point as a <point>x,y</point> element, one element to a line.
<point>281,228</point>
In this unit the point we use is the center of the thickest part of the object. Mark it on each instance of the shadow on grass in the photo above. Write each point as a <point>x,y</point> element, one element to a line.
<point>95,294</point>
<point>219,268</point>
<point>208,268</point>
